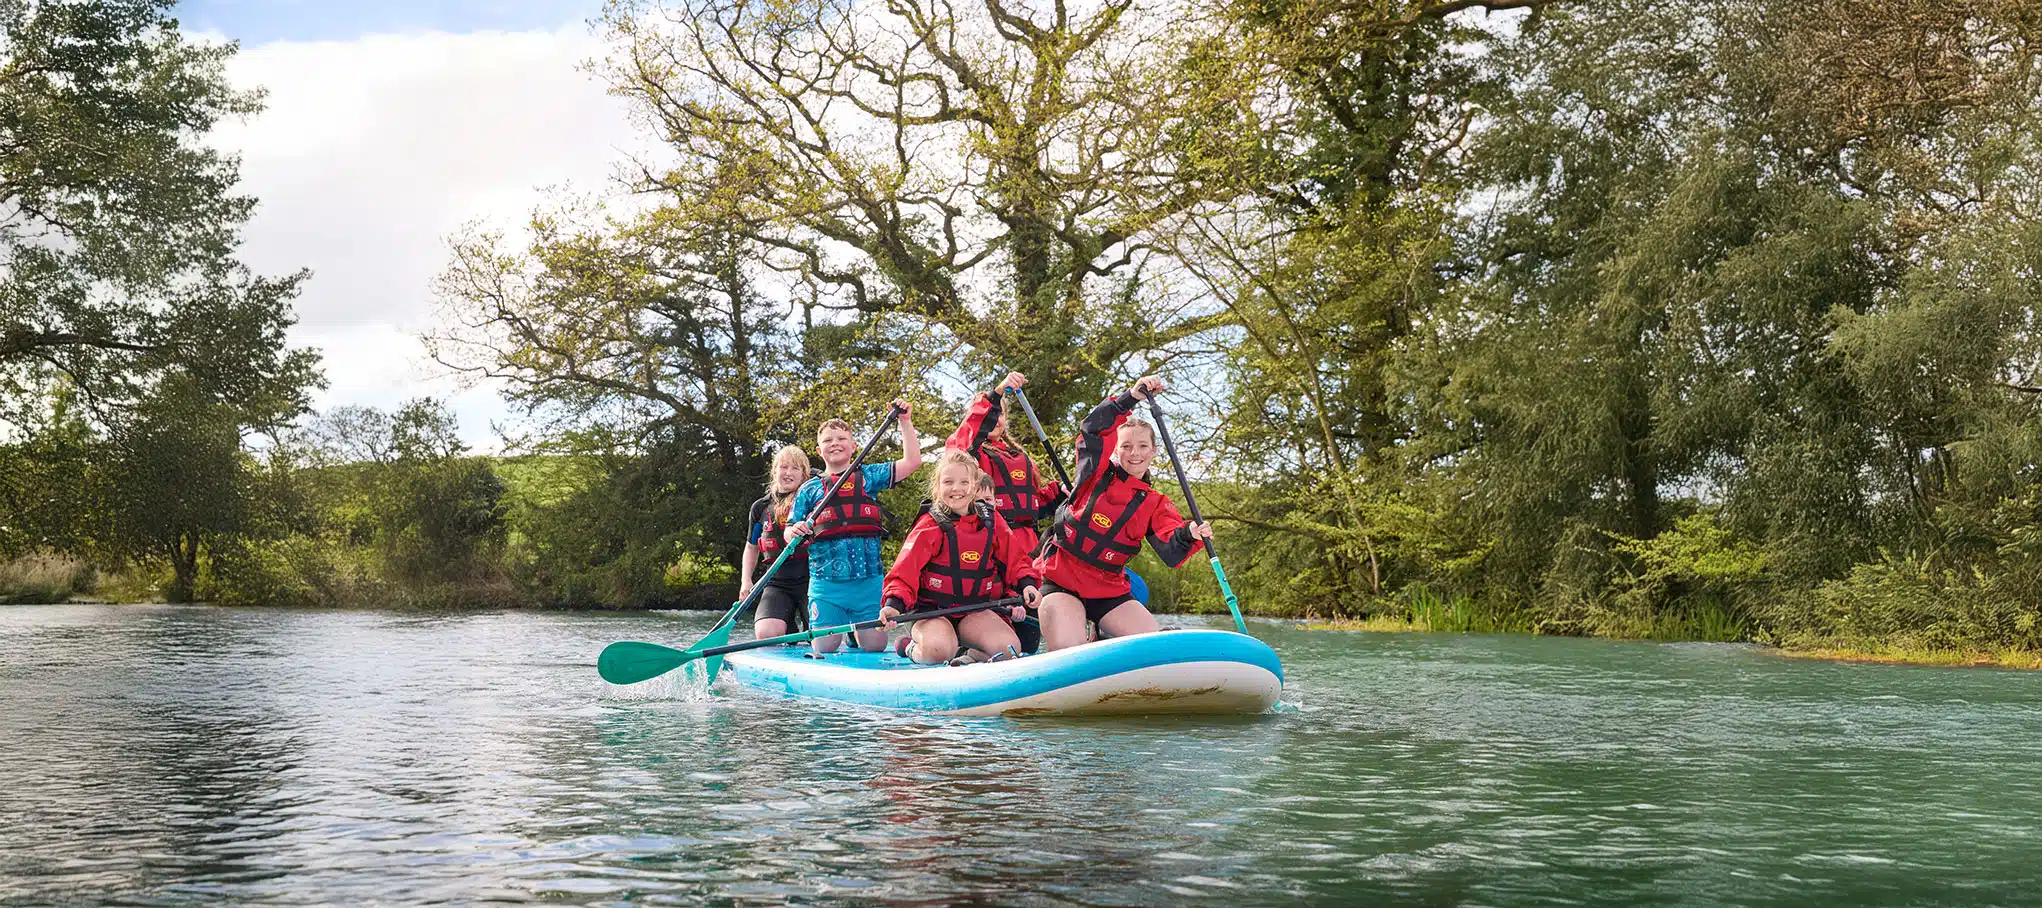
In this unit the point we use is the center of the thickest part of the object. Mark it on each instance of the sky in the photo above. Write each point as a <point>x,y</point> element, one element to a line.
<point>388,127</point>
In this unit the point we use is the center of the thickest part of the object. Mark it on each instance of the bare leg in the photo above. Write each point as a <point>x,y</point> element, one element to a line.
<point>935,641</point>
<point>1063,621</point>
<point>768,627</point>
<point>872,639</point>
<point>828,644</point>
<point>986,633</point>
<point>1126,620</point>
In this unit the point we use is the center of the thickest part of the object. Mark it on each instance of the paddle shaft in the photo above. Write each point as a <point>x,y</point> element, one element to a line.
<point>1183,482</point>
<point>759,585</point>
<point>1047,448</point>
<point>807,635</point>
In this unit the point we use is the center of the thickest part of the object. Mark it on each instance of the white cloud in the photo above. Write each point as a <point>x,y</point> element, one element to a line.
<point>372,151</point>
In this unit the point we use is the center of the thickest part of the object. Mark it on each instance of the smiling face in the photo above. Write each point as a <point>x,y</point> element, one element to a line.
<point>789,474</point>
<point>837,447</point>
<point>956,486</point>
<point>1136,450</point>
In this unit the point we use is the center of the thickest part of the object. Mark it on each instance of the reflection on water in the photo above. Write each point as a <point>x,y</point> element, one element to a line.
<point>175,755</point>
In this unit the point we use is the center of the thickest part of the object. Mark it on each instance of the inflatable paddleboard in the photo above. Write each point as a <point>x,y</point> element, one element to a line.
<point>1182,671</point>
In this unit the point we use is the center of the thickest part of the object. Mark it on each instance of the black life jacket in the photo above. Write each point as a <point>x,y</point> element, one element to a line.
<point>1098,533</point>
<point>852,511</point>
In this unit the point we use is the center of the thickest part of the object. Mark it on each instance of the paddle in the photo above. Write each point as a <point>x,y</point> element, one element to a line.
<point>630,661</point>
<point>1177,466</point>
<point>1047,448</point>
<point>720,634</point>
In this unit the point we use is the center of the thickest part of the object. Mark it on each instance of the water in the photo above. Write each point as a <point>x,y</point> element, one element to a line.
<point>164,755</point>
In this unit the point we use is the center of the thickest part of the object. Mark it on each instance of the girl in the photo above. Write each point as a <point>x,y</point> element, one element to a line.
<point>783,605</point>
<point>1111,511</point>
<point>955,556</point>
<point>1020,491</point>
<point>844,570</point>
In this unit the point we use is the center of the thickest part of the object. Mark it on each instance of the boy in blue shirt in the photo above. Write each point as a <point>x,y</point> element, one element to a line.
<point>844,570</point>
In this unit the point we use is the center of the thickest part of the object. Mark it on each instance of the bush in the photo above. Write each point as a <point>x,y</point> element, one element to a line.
<point>1911,601</point>
<point>292,571</point>
<point>43,577</point>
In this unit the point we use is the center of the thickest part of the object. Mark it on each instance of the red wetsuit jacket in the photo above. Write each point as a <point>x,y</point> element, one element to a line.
<point>927,568</point>
<point>1110,514</point>
<point>1025,497</point>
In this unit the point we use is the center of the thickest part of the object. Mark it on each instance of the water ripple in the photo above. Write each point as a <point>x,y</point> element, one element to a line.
<point>164,756</point>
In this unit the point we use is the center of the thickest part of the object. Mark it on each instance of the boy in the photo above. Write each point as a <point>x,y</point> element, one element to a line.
<point>845,573</point>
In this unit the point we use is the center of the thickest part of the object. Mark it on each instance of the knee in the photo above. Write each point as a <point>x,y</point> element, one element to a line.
<point>1060,609</point>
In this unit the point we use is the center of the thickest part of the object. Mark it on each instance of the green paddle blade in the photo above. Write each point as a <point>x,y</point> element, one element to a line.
<point>629,661</point>
<point>706,669</point>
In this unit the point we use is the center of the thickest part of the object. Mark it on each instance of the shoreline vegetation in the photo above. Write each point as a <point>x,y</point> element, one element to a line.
<point>51,579</point>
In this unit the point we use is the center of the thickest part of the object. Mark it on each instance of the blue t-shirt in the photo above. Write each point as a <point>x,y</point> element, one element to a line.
<point>845,557</point>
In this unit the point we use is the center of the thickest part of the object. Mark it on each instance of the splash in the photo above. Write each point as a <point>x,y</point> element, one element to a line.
<point>686,684</point>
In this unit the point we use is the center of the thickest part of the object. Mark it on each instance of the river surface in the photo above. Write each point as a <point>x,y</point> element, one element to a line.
<point>166,755</point>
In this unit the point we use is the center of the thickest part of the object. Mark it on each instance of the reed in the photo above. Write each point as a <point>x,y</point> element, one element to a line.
<point>43,577</point>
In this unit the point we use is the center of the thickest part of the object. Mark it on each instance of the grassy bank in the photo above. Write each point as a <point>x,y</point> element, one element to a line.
<point>1892,654</point>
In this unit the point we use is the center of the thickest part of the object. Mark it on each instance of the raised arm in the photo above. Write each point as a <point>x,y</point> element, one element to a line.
<point>1097,434</point>
<point>911,446</point>
<point>979,420</point>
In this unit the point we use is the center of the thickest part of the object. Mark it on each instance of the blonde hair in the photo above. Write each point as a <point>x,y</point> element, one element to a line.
<point>829,424</point>
<point>1136,422</point>
<point>783,503</point>
<point>951,457</point>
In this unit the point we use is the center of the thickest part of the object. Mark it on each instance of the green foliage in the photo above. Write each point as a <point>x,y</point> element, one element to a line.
<point>1460,614</point>
<point>293,571</point>
<point>1923,602</point>
<point>1674,319</point>
<point>123,220</point>
<point>179,479</point>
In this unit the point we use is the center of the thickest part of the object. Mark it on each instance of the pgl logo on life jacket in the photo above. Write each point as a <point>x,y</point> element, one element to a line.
<point>968,557</point>
<point>1102,521</point>
<point>1018,474</point>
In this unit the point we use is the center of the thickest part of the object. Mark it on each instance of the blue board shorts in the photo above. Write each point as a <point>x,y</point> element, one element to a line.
<point>834,602</point>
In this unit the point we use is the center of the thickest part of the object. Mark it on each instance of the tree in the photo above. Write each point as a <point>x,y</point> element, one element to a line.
<point>179,478</point>
<point>620,325</point>
<point>1689,253</point>
<point>996,170</point>
<point>117,222</point>
<point>1349,242</point>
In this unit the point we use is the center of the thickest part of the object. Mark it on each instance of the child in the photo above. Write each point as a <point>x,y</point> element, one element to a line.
<point>1111,511</point>
<point>844,573</point>
<point>1020,491</point>
<point>1030,632</point>
<point>955,555</point>
<point>783,605</point>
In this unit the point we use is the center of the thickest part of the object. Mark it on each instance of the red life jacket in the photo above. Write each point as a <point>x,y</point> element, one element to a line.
<point>963,570</point>
<point>851,511</point>
<point>773,538</point>
<point>1098,533</point>
<point>1016,490</point>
